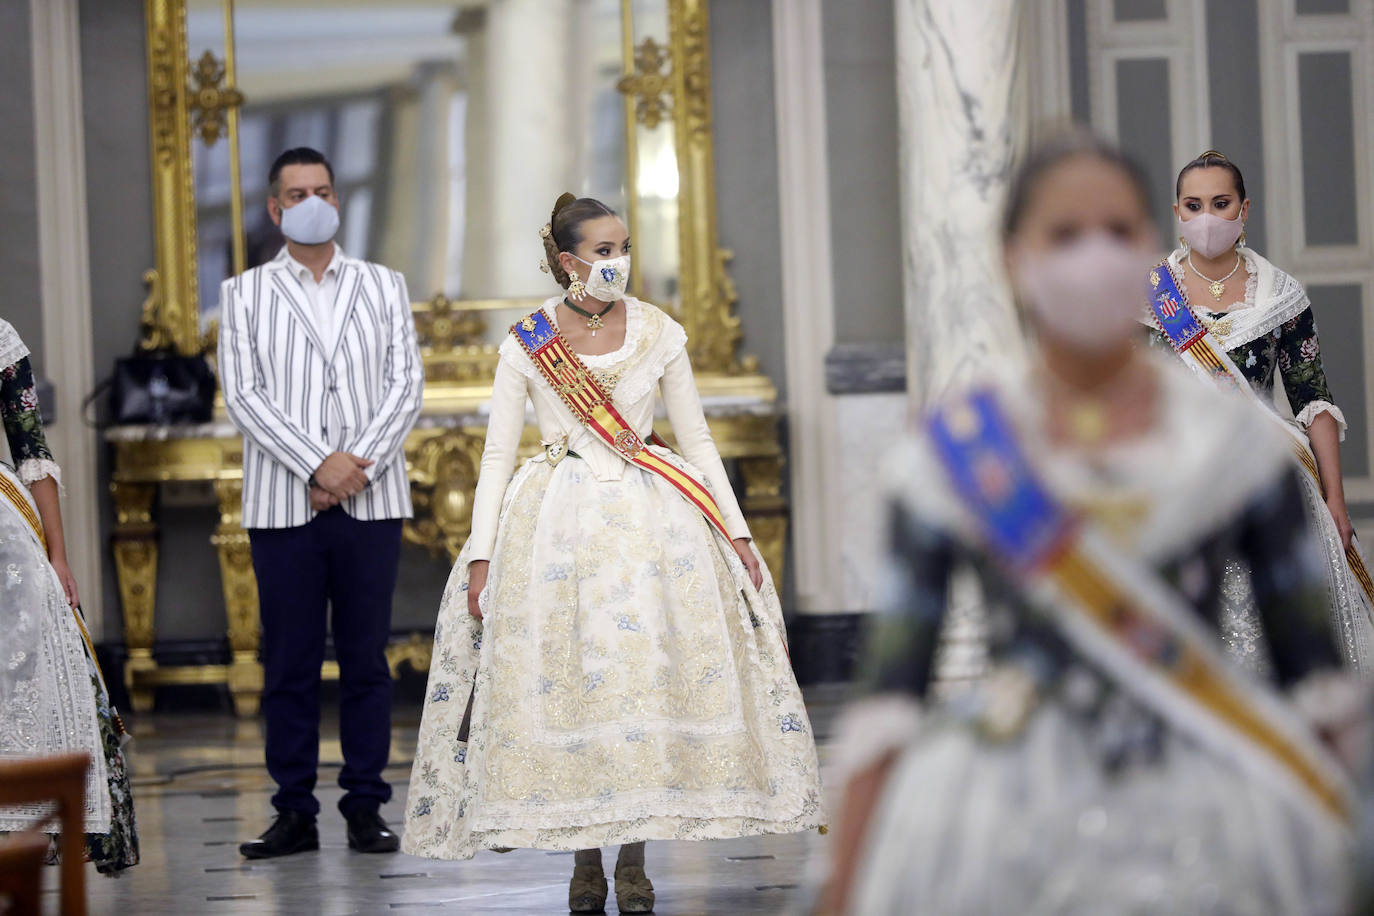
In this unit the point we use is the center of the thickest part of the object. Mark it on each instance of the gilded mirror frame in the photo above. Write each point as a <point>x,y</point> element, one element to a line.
<point>680,94</point>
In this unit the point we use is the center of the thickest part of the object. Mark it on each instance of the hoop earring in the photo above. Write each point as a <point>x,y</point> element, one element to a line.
<point>576,288</point>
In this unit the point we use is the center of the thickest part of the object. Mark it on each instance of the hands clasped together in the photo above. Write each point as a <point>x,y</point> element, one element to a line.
<point>338,477</point>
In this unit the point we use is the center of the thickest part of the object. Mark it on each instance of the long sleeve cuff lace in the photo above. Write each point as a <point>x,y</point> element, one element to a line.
<point>1312,410</point>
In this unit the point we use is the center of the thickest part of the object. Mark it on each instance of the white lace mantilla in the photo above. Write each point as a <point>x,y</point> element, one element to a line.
<point>12,348</point>
<point>1272,298</point>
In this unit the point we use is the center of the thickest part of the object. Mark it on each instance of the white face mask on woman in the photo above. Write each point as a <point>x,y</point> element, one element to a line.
<point>1209,235</point>
<point>1089,293</point>
<point>608,278</point>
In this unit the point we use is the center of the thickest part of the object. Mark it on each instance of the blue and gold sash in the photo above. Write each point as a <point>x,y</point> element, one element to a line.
<point>1117,611</point>
<point>591,405</point>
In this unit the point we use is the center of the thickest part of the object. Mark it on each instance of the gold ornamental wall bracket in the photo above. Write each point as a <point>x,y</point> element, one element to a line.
<point>649,83</point>
<point>212,98</point>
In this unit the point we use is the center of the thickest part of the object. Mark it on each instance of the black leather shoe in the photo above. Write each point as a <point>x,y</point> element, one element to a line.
<point>291,832</point>
<point>367,832</point>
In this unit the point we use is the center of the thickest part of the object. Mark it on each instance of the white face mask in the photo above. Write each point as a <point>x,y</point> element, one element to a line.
<point>607,279</point>
<point>1209,235</point>
<point>313,221</point>
<point>1089,293</point>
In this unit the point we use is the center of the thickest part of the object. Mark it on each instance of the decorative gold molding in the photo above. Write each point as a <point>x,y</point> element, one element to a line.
<point>669,82</point>
<point>443,476</point>
<point>211,98</point>
<point>708,294</point>
<point>172,311</point>
<point>135,555</point>
<point>452,342</point>
<point>649,84</point>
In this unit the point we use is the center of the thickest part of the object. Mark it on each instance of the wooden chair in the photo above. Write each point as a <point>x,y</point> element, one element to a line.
<point>21,874</point>
<point>60,779</point>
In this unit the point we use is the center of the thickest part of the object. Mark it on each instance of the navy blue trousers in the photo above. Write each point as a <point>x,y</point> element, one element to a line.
<point>338,563</point>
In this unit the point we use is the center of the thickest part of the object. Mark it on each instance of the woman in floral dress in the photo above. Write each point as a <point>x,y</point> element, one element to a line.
<point>610,662</point>
<point>1262,318</point>
<point>52,697</point>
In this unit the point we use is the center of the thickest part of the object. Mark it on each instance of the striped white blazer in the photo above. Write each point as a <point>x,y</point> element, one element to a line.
<point>297,398</point>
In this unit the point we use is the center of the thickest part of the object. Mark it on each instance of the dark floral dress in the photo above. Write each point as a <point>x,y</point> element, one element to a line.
<point>1293,349</point>
<point>19,407</point>
<point>117,850</point>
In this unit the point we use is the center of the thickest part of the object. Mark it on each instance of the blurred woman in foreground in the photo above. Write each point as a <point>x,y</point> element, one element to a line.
<point>1113,758</point>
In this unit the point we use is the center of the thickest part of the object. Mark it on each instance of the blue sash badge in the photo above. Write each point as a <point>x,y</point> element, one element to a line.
<point>975,442</point>
<point>534,330</point>
<point>1171,311</point>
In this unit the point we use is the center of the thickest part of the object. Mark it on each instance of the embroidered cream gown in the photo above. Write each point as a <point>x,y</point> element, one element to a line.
<point>631,684</point>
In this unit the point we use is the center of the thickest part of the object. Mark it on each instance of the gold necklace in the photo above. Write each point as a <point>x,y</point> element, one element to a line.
<point>1216,287</point>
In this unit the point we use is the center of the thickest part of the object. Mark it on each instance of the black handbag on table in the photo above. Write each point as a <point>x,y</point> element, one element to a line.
<point>160,387</point>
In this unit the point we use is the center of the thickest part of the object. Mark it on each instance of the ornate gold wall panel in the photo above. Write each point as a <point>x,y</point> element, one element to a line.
<point>708,293</point>
<point>171,313</point>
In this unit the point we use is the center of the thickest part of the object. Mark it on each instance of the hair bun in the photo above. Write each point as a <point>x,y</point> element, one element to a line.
<point>1214,154</point>
<point>567,197</point>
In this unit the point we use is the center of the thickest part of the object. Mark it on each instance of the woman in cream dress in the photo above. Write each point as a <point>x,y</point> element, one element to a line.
<point>609,668</point>
<point>52,697</point>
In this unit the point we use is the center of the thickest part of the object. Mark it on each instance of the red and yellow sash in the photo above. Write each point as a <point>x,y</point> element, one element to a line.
<point>579,390</point>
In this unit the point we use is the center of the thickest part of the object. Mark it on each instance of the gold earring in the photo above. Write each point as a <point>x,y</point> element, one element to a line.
<point>576,288</point>
<point>1241,242</point>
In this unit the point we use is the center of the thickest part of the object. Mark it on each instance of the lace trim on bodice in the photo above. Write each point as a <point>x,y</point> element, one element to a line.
<point>1272,298</point>
<point>652,340</point>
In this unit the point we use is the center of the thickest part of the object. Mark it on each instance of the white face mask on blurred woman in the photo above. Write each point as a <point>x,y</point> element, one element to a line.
<point>1088,293</point>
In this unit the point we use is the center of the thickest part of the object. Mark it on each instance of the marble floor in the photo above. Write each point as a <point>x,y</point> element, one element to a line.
<point>200,788</point>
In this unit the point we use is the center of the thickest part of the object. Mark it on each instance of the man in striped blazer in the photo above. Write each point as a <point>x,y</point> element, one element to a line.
<point>322,375</point>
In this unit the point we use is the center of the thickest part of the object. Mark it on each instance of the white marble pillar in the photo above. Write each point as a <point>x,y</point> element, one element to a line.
<point>815,460</point>
<point>535,125</point>
<point>63,240</point>
<point>962,109</point>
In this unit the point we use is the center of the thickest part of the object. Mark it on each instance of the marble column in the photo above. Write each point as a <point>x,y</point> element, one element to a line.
<point>815,460</point>
<point>962,109</point>
<point>64,265</point>
<point>534,111</point>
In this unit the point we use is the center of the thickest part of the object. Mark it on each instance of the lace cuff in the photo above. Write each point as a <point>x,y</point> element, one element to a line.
<point>870,730</point>
<point>35,469</point>
<point>1310,412</point>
